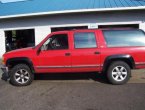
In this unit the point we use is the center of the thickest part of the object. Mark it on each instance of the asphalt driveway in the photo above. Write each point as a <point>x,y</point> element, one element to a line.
<point>74,92</point>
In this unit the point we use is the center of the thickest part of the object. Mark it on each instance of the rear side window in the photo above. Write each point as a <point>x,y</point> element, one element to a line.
<point>123,38</point>
<point>85,40</point>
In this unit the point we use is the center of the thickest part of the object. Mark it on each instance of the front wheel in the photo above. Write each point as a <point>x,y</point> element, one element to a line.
<point>21,75</point>
<point>119,73</point>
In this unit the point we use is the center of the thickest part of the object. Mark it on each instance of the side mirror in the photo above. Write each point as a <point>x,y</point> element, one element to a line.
<point>38,51</point>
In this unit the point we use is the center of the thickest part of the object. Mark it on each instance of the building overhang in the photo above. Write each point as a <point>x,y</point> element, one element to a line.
<point>73,11</point>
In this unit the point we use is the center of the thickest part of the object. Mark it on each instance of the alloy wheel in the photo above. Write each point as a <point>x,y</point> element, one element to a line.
<point>22,76</point>
<point>119,73</point>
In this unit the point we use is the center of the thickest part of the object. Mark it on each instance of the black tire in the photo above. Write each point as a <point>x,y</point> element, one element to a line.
<point>23,72</point>
<point>118,73</point>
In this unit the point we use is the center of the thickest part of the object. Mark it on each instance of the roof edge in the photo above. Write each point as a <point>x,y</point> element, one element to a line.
<point>73,11</point>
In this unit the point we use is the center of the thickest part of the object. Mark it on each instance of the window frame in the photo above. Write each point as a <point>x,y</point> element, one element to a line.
<point>85,32</point>
<point>51,35</point>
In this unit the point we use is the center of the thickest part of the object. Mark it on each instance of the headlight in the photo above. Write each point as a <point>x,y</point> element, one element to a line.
<point>3,61</point>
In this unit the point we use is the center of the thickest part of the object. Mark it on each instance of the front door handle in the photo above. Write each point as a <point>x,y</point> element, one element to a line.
<point>97,52</point>
<point>67,54</point>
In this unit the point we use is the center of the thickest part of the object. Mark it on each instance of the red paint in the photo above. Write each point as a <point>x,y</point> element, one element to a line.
<point>78,57</point>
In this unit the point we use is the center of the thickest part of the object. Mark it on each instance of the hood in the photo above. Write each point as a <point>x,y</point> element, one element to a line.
<point>19,52</point>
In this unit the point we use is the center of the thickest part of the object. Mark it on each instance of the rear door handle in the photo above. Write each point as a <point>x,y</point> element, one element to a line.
<point>97,52</point>
<point>67,54</point>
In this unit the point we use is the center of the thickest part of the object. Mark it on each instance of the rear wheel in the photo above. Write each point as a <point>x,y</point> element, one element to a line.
<point>118,73</point>
<point>21,75</point>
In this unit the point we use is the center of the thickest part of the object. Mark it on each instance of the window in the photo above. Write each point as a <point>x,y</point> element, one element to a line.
<point>56,42</point>
<point>123,26</point>
<point>54,29</point>
<point>122,38</point>
<point>85,40</point>
<point>16,39</point>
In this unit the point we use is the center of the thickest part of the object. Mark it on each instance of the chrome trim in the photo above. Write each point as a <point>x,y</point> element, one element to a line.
<point>5,70</point>
<point>140,63</point>
<point>74,66</point>
<point>43,67</point>
<point>82,66</point>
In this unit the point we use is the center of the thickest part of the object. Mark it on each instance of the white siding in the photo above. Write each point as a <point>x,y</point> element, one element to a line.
<point>41,33</point>
<point>83,18</point>
<point>2,43</point>
<point>142,26</point>
<point>42,24</point>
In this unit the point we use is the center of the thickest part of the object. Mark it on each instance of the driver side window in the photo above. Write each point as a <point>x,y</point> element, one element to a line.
<point>56,42</point>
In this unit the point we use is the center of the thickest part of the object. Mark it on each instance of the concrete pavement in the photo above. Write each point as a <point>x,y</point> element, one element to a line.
<point>74,92</point>
<point>72,95</point>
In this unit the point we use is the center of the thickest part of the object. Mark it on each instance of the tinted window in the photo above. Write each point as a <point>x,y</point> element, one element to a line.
<point>85,40</point>
<point>122,38</point>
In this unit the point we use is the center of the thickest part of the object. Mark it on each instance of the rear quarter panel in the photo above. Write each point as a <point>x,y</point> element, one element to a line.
<point>138,53</point>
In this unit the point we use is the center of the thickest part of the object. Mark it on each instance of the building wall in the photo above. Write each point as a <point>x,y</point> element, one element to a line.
<point>2,42</point>
<point>41,32</point>
<point>43,24</point>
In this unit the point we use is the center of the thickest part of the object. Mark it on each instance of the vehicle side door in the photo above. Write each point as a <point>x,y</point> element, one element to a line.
<point>54,55</point>
<point>85,51</point>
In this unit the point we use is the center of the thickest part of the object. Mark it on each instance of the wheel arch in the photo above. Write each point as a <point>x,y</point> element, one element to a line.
<point>126,58</point>
<point>20,60</point>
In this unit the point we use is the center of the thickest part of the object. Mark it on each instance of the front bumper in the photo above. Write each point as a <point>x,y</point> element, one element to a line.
<point>5,71</point>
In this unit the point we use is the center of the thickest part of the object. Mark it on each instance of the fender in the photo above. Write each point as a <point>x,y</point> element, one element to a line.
<point>17,60</point>
<point>121,57</point>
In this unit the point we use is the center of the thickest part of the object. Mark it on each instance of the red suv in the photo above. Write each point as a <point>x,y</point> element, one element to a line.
<point>111,52</point>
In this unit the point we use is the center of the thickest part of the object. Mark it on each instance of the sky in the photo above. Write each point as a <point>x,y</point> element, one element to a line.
<point>6,1</point>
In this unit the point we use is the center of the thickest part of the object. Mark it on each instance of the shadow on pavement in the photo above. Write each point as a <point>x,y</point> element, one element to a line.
<point>66,76</point>
<point>72,76</point>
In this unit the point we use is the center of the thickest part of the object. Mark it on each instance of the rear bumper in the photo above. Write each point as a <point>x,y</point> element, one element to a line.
<point>5,70</point>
